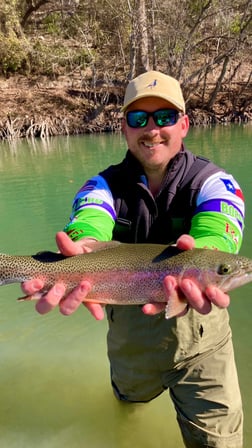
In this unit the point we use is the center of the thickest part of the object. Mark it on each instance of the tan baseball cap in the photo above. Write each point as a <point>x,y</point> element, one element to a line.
<point>155,84</point>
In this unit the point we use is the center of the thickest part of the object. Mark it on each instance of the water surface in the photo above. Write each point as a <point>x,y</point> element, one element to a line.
<point>54,373</point>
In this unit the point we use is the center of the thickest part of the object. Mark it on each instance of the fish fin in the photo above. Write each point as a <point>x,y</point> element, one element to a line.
<point>175,306</point>
<point>36,296</point>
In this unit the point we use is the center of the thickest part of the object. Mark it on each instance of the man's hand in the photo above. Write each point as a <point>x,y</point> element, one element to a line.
<point>202,302</point>
<point>54,297</point>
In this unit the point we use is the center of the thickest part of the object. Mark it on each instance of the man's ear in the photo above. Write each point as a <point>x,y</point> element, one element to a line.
<point>184,125</point>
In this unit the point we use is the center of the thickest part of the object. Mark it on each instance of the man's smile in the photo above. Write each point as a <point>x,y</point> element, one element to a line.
<point>151,144</point>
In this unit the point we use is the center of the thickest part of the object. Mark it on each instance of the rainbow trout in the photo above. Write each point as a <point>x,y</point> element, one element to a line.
<point>127,274</point>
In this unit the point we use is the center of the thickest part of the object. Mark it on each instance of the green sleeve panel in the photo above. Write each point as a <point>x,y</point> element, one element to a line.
<point>91,223</point>
<point>215,231</point>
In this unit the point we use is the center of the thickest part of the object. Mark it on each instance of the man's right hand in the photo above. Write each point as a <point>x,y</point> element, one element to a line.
<point>55,295</point>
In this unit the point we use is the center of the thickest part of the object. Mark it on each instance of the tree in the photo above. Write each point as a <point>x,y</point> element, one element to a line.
<point>203,43</point>
<point>29,7</point>
<point>139,46</point>
<point>9,19</point>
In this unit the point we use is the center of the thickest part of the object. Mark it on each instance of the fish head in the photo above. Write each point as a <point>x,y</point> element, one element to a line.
<point>224,270</point>
<point>234,273</point>
<point>207,267</point>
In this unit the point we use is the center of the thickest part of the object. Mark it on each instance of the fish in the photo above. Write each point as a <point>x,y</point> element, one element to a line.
<point>129,274</point>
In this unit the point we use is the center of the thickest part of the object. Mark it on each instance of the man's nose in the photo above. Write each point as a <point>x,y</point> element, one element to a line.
<point>151,125</point>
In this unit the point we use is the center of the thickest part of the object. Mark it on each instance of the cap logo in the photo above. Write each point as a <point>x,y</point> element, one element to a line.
<point>152,84</point>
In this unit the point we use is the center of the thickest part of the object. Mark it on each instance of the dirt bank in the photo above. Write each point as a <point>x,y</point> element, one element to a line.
<point>40,107</point>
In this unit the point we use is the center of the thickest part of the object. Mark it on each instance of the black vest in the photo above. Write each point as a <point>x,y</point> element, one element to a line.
<point>143,218</point>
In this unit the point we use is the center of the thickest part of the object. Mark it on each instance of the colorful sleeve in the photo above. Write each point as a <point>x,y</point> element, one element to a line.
<point>93,213</point>
<point>218,221</point>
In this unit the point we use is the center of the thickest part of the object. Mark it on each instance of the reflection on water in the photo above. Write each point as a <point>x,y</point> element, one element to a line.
<point>54,373</point>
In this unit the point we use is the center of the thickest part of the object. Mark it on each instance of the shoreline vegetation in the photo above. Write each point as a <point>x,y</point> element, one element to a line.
<point>41,108</point>
<point>64,64</point>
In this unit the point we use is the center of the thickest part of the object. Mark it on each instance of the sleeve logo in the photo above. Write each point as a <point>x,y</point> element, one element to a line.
<point>232,189</point>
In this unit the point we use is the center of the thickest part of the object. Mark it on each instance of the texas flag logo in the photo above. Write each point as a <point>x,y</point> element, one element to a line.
<point>230,187</point>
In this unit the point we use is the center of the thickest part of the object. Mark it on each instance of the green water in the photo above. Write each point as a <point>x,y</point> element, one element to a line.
<point>54,373</point>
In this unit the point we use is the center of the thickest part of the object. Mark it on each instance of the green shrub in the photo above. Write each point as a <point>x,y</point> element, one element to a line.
<point>13,55</point>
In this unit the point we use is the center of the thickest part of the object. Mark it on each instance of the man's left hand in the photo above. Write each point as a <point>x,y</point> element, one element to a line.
<point>200,301</point>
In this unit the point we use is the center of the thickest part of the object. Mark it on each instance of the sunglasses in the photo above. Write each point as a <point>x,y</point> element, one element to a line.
<point>161,117</point>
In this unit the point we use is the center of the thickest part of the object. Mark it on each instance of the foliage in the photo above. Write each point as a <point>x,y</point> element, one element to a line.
<point>201,42</point>
<point>13,55</point>
<point>56,59</point>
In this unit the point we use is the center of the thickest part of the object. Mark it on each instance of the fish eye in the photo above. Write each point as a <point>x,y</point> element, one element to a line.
<point>224,269</point>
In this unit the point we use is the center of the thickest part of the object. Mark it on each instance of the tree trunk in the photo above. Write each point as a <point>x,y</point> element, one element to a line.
<point>218,85</point>
<point>143,64</point>
<point>153,37</point>
<point>139,46</point>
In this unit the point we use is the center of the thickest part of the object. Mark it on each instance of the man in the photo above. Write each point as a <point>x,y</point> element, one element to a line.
<point>161,193</point>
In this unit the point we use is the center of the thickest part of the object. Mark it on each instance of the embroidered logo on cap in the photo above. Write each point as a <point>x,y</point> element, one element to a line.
<point>152,84</point>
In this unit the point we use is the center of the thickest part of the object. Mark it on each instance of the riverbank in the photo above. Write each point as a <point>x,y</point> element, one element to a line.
<point>38,107</point>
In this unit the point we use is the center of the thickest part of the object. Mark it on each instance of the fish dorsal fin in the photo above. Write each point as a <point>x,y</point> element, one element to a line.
<point>96,246</point>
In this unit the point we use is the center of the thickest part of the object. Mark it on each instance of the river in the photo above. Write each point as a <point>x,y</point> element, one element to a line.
<point>54,373</point>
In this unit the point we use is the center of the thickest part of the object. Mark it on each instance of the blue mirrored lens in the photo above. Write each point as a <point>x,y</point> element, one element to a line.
<point>162,117</point>
<point>137,118</point>
<point>165,117</point>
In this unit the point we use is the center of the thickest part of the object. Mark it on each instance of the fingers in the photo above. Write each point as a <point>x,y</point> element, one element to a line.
<point>202,301</point>
<point>188,291</point>
<point>172,292</point>
<point>55,297</point>
<point>195,297</point>
<point>68,247</point>
<point>71,303</point>
<point>96,310</point>
<point>75,298</point>
<point>31,286</point>
<point>153,308</point>
<point>51,299</point>
<point>218,297</point>
<point>185,242</point>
